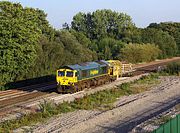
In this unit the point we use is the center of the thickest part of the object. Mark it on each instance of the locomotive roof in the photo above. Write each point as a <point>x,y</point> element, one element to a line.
<point>87,65</point>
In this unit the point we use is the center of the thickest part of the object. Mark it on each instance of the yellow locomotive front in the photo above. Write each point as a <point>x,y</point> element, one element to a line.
<point>66,77</point>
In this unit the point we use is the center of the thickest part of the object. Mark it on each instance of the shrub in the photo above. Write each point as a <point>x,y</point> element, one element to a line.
<point>135,53</point>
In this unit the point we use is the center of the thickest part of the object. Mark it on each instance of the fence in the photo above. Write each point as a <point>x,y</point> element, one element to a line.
<point>172,126</point>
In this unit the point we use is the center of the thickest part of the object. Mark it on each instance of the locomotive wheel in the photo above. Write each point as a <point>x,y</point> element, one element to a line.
<point>72,89</point>
<point>76,87</point>
<point>83,87</point>
<point>61,89</point>
<point>88,85</point>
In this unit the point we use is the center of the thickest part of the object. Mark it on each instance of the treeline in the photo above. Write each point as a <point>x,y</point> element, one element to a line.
<point>30,47</point>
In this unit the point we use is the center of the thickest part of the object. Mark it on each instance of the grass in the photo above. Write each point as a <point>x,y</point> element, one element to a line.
<point>102,100</point>
<point>145,83</point>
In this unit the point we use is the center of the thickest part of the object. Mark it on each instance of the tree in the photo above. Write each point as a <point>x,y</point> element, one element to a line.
<point>74,51</point>
<point>103,23</point>
<point>64,49</point>
<point>173,28</point>
<point>165,41</point>
<point>81,38</point>
<point>109,48</point>
<point>18,40</point>
<point>50,57</point>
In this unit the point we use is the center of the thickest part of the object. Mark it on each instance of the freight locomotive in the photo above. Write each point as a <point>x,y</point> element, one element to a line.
<point>73,78</point>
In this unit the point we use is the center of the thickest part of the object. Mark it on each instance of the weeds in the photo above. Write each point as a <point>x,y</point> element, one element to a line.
<point>162,120</point>
<point>48,108</point>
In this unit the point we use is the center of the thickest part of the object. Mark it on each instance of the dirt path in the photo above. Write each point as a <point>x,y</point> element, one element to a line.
<point>129,111</point>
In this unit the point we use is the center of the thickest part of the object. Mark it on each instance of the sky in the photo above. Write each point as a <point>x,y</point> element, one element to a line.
<point>142,12</point>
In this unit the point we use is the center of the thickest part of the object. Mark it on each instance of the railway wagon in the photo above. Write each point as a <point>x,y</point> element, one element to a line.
<point>115,68</point>
<point>73,78</point>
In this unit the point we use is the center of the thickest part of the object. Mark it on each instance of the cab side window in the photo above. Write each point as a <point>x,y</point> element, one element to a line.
<point>69,74</point>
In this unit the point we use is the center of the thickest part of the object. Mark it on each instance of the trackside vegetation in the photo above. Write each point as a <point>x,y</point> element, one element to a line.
<point>173,69</point>
<point>102,100</point>
<point>30,47</point>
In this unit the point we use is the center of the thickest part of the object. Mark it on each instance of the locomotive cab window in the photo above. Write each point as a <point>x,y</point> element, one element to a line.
<point>69,74</point>
<point>61,73</point>
<point>104,69</point>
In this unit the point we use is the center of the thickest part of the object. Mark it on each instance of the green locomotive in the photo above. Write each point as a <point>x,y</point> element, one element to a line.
<point>73,78</point>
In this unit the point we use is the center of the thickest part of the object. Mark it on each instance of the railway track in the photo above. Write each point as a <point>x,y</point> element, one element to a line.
<point>16,97</point>
<point>153,66</point>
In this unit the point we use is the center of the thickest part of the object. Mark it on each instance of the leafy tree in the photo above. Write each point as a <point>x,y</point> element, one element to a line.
<point>109,48</point>
<point>74,51</point>
<point>50,57</point>
<point>136,35</point>
<point>103,23</point>
<point>81,38</point>
<point>165,41</point>
<point>173,28</point>
<point>18,40</point>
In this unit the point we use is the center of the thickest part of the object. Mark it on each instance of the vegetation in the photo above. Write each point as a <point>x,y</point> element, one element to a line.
<point>31,48</point>
<point>161,120</point>
<point>102,100</point>
<point>162,39</point>
<point>171,28</point>
<point>140,52</point>
<point>172,69</point>
<point>18,40</point>
<point>103,23</point>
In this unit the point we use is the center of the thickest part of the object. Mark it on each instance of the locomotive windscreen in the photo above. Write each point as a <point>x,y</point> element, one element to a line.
<point>69,74</point>
<point>61,73</point>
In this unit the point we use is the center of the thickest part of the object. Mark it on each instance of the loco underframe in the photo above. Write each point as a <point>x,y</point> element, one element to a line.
<point>86,83</point>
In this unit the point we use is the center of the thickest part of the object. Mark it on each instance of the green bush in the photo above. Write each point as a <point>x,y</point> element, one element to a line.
<point>135,53</point>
